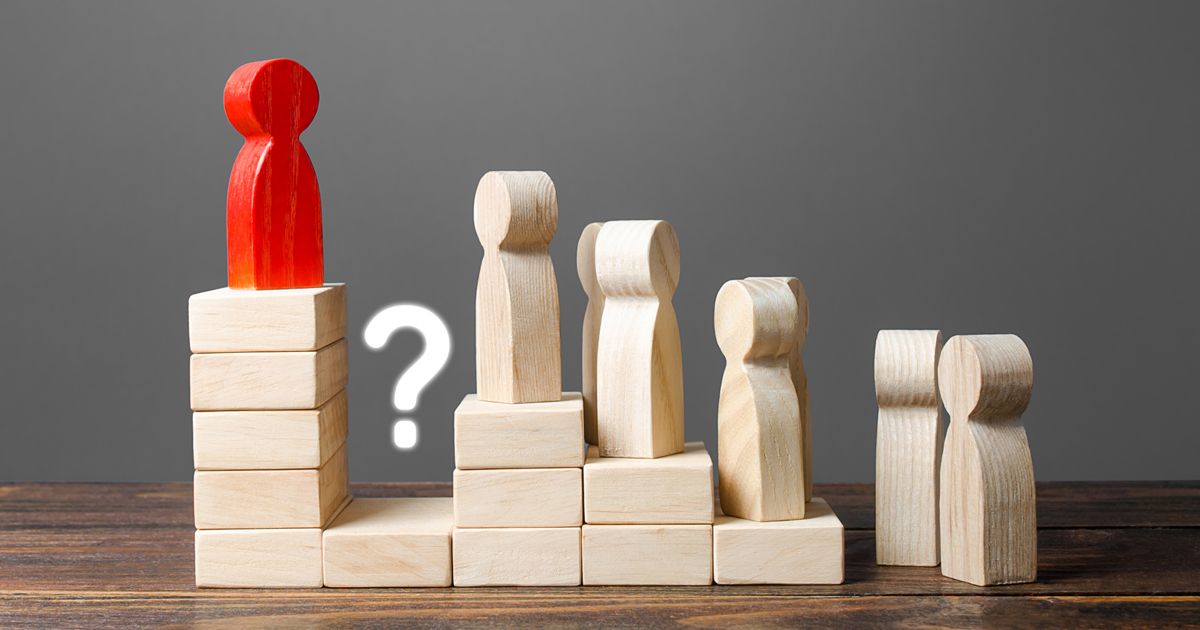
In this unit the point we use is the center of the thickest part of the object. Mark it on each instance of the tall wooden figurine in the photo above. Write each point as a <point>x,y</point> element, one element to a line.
<point>639,370</point>
<point>988,519</point>
<point>585,262</point>
<point>517,343</point>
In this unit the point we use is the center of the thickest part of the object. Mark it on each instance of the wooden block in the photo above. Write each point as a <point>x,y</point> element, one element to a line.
<point>540,556</point>
<point>988,523</point>
<point>390,542</point>
<point>268,440</point>
<point>242,499</point>
<point>639,366</point>
<point>807,551</point>
<point>647,554</point>
<point>524,435</point>
<point>907,447</point>
<point>760,439</point>
<point>258,558</point>
<point>672,489</point>
<point>535,497</point>
<point>585,262</point>
<point>233,320</point>
<point>268,380</point>
<point>518,354</point>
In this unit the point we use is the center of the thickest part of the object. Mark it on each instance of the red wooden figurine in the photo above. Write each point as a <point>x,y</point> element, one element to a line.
<point>273,211</point>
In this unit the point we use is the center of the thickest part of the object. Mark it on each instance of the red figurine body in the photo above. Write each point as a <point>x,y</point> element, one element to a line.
<point>273,211</point>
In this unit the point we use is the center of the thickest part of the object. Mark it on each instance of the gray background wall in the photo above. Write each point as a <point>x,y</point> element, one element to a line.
<point>979,167</point>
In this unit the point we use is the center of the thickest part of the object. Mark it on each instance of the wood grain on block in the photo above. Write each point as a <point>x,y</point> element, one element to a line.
<point>233,320</point>
<point>269,440</point>
<point>907,447</point>
<point>239,499</point>
<point>258,558</point>
<point>760,439</point>
<point>518,354</point>
<point>534,497</point>
<point>988,522</point>
<point>268,380</point>
<point>806,551</point>
<point>523,435</point>
<point>647,554</point>
<point>390,542</point>
<point>539,556</point>
<point>673,489</point>
<point>585,262</point>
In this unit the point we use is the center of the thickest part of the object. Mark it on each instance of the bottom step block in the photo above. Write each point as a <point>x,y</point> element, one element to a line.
<point>390,542</point>
<point>807,551</point>
<point>647,554</point>
<point>537,556</point>
<point>258,558</point>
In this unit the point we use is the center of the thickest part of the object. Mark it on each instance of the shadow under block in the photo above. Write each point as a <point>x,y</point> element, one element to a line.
<point>390,542</point>
<point>522,435</point>
<point>258,558</point>
<point>672,489</point>
<point>535,497</point>
<point>267,380</point>
<point>235,320</point>
<point>807,551</point>
<point>252,499</point>
<point>269,440</point>
<point>541,556</point>
<point>647,554</point>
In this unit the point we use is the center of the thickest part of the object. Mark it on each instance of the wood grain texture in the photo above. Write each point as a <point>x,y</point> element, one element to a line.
<point>234,499</point>
<point>390,542</point>
<point>760,439</point>
<point>673,489</point>
<point>585,262</point>
<point>532,497</point>
<point>524,435</point>
<point>988,519</point>
<point>908,446</point>
<point>230,320</point>
<point>518,355</point>
<point>647,554</point>
<point>273,209</point>
<point>258,558</point>
<point>807,551</point>
<point>268,380</point>
<point>639,369</point>
<point>269,440</point>
<point>543,556</point>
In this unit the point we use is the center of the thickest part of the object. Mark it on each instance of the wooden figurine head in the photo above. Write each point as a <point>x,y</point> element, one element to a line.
<point>906,365</point>
<point>585,260</point>
<point>277,97</point>
<point>756,318</point>
<point>516,210</point>
<point>638,259</point>
<point>985,376</point>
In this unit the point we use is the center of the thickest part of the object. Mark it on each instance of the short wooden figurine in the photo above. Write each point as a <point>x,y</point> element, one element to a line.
<point>586,264</point>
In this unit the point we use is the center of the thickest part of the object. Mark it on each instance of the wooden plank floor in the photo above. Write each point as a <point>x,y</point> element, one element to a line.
<point>120,555</point>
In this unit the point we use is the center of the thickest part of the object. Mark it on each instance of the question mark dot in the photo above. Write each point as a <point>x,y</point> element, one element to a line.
<point>404,434</point>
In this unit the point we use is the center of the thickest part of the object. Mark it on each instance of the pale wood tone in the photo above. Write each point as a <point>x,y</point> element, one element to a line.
<point>390,542</point>
<point>267,380</point>
<point>639,366</point>
<point>760,439</point>
<point>585,262</point>
<point>534,497</point>
<point>258,558</point>
<point>907,447</point>
<point>807,551</point>
<point>269,440</point>
<point>525,435</point>
<point>539,556</point>
<point>518,356</point>
<point>241,499</point>
<point>988,518</point>
<point>673,489</point>
<point>233,320</point>
<point>647,554</point>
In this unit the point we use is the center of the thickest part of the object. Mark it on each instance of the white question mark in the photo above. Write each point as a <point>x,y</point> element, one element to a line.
<point>422,371</point>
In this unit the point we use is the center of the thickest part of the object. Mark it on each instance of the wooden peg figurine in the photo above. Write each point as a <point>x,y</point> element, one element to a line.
<point>585,262</point>
<point>517,344</point>
<point>988,519</point>
<point>639,369</point>
<point>273,210</point>
<point>907,447</point>
<point>760,450</point>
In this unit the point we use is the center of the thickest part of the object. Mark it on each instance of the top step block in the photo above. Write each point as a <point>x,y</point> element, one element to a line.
<point>282,320</point>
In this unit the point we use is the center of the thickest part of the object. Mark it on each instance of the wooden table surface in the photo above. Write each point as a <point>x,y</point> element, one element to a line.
<point>120,555</point>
